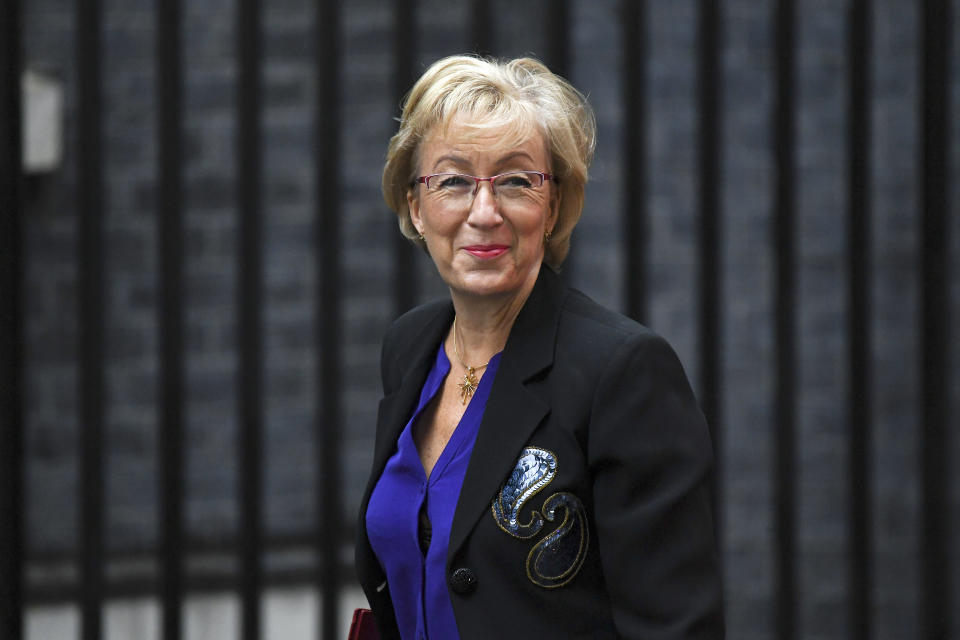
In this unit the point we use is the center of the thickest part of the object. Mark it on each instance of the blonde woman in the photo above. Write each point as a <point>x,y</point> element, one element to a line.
<point>541,467</point>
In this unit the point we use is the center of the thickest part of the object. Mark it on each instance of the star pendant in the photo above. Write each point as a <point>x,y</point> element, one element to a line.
<point>468,386</point>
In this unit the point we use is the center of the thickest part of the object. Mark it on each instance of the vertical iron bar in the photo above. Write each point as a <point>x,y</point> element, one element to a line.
<point>859,326</point>
<point>935,322</point>
<point>709,87</point>
<point>634,165</point>
<point>11,363</point>
<point>784,214</point>
<point>558,37</point>
<point>91,277</point>
<point>481,24</point>
<point>171,320</point>
<point>328,245</point>
<point>559,31</point>
<point>404,53</point>
<point>250,320</point>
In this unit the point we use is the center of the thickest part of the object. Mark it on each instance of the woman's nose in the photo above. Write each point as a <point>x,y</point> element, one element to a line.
<point>485,209</point>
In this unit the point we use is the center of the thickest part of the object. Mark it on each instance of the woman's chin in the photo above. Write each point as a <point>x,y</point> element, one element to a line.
<point>493,283</point>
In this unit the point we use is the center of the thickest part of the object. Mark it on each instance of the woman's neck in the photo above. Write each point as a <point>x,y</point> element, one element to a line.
<point>483,325</point>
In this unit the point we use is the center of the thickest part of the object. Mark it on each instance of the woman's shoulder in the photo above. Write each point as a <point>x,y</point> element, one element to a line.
<point>591,336</point>
<point>422,323</point>
<point>599,325</point>
<point>416,319</point>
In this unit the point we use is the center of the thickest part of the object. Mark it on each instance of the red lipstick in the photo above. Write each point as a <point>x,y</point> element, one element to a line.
<point>486,251</point>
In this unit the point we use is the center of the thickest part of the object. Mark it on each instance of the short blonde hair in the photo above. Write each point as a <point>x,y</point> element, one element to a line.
<point>521,95</point>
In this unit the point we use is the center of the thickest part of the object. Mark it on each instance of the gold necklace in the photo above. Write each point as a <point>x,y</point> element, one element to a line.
<point>470,380</point>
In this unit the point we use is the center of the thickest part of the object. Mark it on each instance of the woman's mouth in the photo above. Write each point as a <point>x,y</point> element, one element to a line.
<point>486,251</point>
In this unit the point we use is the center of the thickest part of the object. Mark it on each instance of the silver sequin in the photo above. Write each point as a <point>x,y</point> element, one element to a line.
<point>558,556</point>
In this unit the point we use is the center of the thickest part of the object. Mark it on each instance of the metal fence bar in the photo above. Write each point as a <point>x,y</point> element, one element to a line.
<point>633,216</point>
<point>784,401</point>
<point>171,314</point>
<point>481,27</point>
<point>329,333</point>
<point>11,331</point>
<point>859,325</point>
<point>557,58</point>
<point>709,79</point>
<point>557,20</point>
<point>249,170</point>
<point>91,339</point>
<point>935,25</point>
<point>404,53</point>
<point>91,281</point>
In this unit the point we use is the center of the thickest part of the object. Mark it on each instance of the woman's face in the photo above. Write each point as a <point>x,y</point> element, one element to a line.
<point>483,244</point>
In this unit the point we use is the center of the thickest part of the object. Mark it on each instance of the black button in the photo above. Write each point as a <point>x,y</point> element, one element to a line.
<point>463,581</point>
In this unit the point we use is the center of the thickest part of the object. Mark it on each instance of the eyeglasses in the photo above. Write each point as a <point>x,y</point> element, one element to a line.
<point>461,188</point>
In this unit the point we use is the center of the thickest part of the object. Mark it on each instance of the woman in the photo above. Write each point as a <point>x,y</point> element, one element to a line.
<point>541,468</point>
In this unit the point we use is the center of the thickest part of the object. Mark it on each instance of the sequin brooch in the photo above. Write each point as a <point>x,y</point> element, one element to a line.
<point>558,556</point>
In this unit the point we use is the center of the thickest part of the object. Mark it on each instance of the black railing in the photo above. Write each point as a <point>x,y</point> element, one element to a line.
<point>859,324</point>
<point>937,589</point>
<point>12,521</point>
<point>250,310</point>
<point>709,102</point>
<point>329,333</point>
<point>170,235</point>
<point>91,339</point>
<point>783,214</point>
<point>633,216</point>
<point>936,26</point>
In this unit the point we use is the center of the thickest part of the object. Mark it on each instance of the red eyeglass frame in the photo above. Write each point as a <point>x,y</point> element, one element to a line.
<point>545,176</point>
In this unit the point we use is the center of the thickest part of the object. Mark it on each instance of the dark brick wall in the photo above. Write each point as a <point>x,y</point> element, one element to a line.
<point>366,239</point>
<point>896,374</point>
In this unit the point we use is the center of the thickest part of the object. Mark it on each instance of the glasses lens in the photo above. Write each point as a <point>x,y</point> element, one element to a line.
<point>451,183</point>
<point>517,185</point>
<point>457,189</point>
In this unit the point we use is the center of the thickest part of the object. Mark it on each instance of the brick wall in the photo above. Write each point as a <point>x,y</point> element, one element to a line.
<point>366,238</point>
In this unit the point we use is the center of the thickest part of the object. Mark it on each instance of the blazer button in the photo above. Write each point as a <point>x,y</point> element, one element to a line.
<point>463,581</point>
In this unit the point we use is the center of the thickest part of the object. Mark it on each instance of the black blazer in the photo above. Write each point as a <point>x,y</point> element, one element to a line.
<point>585,509</point>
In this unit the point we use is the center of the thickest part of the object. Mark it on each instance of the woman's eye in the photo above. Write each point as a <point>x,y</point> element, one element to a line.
<point>515,180</point>
<point>453,182</point>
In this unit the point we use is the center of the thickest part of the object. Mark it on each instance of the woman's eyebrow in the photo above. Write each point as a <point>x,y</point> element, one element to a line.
<point>462,161</point>
<point>449,157</point>
<point>513,155</point>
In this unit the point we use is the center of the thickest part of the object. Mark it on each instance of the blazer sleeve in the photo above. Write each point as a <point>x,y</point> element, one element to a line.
<point>651,462</point>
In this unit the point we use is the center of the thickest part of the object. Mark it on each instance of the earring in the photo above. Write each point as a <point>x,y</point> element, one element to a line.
<point>546,236</point>
<point>420,236</point>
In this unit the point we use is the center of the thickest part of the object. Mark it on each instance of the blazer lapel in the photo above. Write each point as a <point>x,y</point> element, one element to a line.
<point>513,411</point>
<point>414,356</point>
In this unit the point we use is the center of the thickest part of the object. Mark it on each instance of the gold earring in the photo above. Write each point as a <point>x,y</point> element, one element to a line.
<point>546,236</point>
<point>420,236</point>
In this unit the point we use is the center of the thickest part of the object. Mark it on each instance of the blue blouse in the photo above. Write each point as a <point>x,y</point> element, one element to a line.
<point>418,583</point>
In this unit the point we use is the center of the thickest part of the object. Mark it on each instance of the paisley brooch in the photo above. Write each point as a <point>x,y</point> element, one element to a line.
<point>557,557</point>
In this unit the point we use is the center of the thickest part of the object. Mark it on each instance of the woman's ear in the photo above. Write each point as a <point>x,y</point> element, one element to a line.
<point>554,211</point>
<point>413,205</point>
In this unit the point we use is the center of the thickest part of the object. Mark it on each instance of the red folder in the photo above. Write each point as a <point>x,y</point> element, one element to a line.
<point>363,626</point>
